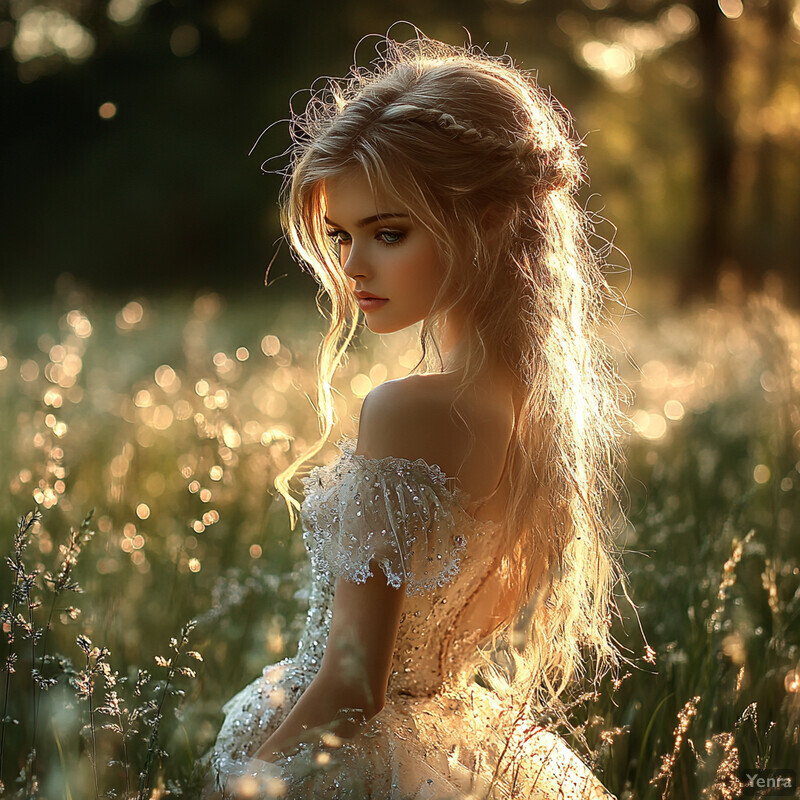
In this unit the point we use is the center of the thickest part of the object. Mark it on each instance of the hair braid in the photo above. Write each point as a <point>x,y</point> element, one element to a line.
<point>548,168</point>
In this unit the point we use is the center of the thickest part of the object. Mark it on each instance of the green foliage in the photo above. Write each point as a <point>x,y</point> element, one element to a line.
<point>713,554</point>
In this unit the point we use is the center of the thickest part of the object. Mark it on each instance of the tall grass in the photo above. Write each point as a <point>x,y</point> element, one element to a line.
<point>171,418</point>
<point>714,553</point>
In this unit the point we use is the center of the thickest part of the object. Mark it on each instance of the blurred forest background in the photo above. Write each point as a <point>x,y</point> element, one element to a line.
<point>127,125</point>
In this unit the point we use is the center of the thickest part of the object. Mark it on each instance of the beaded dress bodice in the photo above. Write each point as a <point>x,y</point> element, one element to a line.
<point>348,507</point>
<point>406,519</point>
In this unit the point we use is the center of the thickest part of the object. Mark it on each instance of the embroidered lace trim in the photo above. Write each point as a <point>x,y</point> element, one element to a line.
<point>394,512</point>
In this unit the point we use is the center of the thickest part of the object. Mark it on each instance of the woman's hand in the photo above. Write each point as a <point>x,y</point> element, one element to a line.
<point>265,753</point>
<point>259,779</point>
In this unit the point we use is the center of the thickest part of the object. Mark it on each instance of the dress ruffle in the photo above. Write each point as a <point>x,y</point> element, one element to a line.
<point>397,513</point>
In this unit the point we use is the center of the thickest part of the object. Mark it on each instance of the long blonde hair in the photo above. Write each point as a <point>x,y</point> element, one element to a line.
<point>488,162</point>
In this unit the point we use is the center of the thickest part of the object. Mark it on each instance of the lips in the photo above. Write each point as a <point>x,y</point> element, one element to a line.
<point>368,296</point>
<point>371,303</point>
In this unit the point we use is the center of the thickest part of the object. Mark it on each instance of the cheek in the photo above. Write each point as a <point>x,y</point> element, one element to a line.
<point>428,271</point>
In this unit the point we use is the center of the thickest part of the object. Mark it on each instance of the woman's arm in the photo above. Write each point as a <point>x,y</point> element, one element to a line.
<point>358,655</point>
<point>355,669</point>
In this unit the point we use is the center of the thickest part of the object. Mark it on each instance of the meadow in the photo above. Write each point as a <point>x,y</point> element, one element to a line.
<point>150,571</point>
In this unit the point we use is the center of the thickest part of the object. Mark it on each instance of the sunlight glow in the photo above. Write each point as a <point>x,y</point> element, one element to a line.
<point>232,20</point>
<point>162,418</point>
<point>107,110</point>
<point>130,316</point>
<point>624,43</point>
<point>167,379</point>
<point>734,647</point>
<point>44,31</point>
<point>360,385</point>
<point>613,59</point>
<point>143,399</point>
<point>673,410</point>
<point>761,473</point>
<point>231,436</point>
<point>732,9</point>
<point>183,409</point>
<point>378,373</point>
<point>678,20</point>
<point>119,466</point>
<point>649,426</point>
<point>29,370</point>
<point>270,345</point>
<point>408,359</point>
<point>155,484</point>
<point>124,12</point>
<point>768,381</point>
<point>53,398</point>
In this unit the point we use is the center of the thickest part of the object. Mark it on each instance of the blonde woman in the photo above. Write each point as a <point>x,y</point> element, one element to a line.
<point>436,187</point>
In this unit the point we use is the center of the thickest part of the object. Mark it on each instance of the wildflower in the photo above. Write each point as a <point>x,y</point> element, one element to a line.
<point>728,579</point>
<point>668,761</point>
<point>726,784</point>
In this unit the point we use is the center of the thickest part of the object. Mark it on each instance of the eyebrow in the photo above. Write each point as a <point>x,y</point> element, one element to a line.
<point>369,220</point>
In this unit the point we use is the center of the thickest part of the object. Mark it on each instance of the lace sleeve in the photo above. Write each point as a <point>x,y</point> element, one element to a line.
<point>393,512</point>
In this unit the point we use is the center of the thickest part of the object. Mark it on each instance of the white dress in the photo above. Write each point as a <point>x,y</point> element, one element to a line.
<point>440,734</point>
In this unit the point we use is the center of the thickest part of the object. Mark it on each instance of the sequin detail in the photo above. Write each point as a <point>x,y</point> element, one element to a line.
<point>440,734</point>
<point>400,514</point>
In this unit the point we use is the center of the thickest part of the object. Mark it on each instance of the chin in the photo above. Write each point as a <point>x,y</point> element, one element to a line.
<point>380,327</point>
<point>386,326</point>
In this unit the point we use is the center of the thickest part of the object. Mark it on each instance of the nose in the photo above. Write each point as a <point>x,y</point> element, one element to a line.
<point>354,265</point>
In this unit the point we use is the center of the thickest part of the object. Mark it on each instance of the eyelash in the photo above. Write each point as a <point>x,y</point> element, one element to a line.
<point>334,237</point>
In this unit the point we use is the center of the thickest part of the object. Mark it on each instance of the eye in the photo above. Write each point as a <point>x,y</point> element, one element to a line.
<point>392,237</point>
<point>337,237</point>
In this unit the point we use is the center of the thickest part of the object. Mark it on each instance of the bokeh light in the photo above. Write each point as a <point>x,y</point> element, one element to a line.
<point>107,110</point>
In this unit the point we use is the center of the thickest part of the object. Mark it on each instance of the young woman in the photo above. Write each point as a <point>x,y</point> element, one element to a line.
<point>437,187</point>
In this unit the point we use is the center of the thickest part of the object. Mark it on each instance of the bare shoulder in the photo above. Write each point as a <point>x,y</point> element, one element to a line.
<point>420,417</point>
<point>408,418</point>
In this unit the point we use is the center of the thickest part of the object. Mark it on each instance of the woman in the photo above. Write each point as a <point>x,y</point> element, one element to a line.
<point>437,187</point>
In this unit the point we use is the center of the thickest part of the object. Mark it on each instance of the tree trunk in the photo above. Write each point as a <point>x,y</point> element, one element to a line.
<point>768,233</point>
<point>716,147</point>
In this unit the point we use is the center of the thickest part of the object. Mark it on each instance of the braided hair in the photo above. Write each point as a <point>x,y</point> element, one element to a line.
<point>488,161</point>
<point>546,168</point>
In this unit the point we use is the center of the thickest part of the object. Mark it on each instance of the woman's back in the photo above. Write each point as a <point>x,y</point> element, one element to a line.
<point>470,443</point>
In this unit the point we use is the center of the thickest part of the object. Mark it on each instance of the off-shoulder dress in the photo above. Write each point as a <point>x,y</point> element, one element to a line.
<point>440,734</point>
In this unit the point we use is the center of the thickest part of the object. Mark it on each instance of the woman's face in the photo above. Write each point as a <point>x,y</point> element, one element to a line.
<point>383,253</point>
